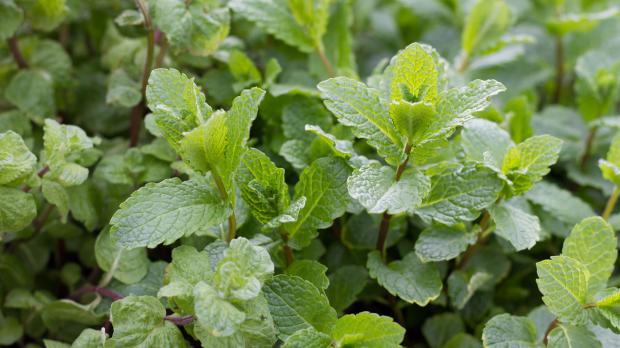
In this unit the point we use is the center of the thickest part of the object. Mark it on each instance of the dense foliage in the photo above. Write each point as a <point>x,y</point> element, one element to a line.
<point>309,173</point>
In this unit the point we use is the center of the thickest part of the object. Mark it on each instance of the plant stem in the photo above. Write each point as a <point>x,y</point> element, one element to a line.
<point>559,69</point>
<point>232,221</point>
<point>17,54</point>
<point>180,321</point>
<point>611,203</point>
<point>550,328</point>
<point>328,66</point>
<point>384,227</point>
<point>588,148</point>
<point>138,110</point>
<point>484,226</point>
<point>463,64</point>
<point>96,290</point>
<point>163,49</point>
<point>288,252</point>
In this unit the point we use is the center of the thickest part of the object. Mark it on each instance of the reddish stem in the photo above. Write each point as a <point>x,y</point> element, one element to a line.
<point>17,54</point>
<point>180,321</point>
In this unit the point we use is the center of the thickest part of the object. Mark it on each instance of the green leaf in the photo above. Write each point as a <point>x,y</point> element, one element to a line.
<point>308,338</point>
<point>440,328</point>
<point>122,90</point>
<point>17,163</point>
<point>345,284</point>
<point>487,21</point>
<point>459,194</point>
<point>69,318</point>
<point>276,18</point>
<point>485,142</point>
<point>302,111</point>
<point>527,163</point>
<point>214,314</point>
<point>593,243</point>
<point>440,243</point>
<point>507,331</point>
<point>310,270</point>
<point>243,269</point>
<point>520,111</point>
<point>580,22</point>
<point>262,186</point>
<point>312,16</point>
<point>39,102</point>
<point>610,167</point>
<point>324,186</point>
<point>340,148</point>
<point>218,144</point>
<point>414,75</point>
<point>176,102</point>
<point>569,336</point>
<point>243,70</point>
<point>128,266</point>
<point>360,107</point>
<point>463,285</point>
<point>609,307</point>
<point>166,211</point>
<point>409,278</point>
<point>297,304</point>
<point>90,338</point>
<point>560,203</point>
<point>139,322</point>
<point>11,17</point>
<point>368,330</point>
<point>376,188</point>
<point>413,120</point>
<point>521,229</point>
<point>45,15</point>
<point>563,281</point>
<point>10,330</point>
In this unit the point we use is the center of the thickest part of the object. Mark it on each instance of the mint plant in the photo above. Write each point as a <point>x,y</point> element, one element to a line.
<point>309,173</point>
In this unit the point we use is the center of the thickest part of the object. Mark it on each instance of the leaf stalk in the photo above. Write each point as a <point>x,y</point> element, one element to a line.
<point>611,203</point>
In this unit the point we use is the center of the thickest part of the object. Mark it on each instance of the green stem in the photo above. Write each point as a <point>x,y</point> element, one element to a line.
<point>482,236</point>
<point>611,203</point>
<point>232,221</point>
<point>588,148</point>
<point>328,66</point>
<point>463,64</point>
<point>384,227</point>
<point>559,69</point>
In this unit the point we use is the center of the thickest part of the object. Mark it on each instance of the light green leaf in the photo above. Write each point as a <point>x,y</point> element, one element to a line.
<point>563,281</point>
<point>214,314</point>
<point>527,163</point>
<point>507,331</point>
<point>341,148</point>
<point>560,203</point>
<point>569,336</point>
<point>166,211</point>
<point>312,16</point>
<point>243,70</point>
<point>308,338</point>
<point>275,18</point>
<point>297,304</point>
<point>139,322</point>
<point>521,229</point>
<point>11,17</point>
<point>310,270</point>
<point>609,307</point>
<point>262,186</point>
<point>376,188</point>
<point>610,167</point>
<point>459,194</point>
<point>593,243</point>
<point>176,102</point>
<point>17,163</point>
<point>488,20</point>
<point>413,120</point>
<point>128,266</point>
<point>362,108</point>
<point>414,75</point>
<point>56,195</point>
<point>440,243</point>
<point>324,186</point>
<point>90,338</point>
<point>38,103</point>
<point>291,214</point>
<point>581,22</point>
<point>45,15</point>
<point>243,269</point>
<point>368,330</point>
<point>302,111</point>
<point>409,278</point>
<point>485,142</point>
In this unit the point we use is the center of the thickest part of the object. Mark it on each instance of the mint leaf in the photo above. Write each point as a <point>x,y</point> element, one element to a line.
<point>214,314</point>
<point>563,281</point>
<point>138,322</point>
<point>324,186</point>
<point>297,304</point>
<point>409,278</point>
<point>17,209</point>
<point>38,104</point>
<point>485,142</point>
<point>310,270</point>
<point>521,229</point>
<point>414,75</point>
<point>367,330</point>
<point>439,243</point>
<point>572,336</point>
<point>488,20</point>
<point>360,107</point>
<point>16,160</point>
<point>166,211</point>
<point>376,188</point>
<point>460,194</point>
<point>593,243</point>
<point>128,266</point>
<point>308,338</point>
<point>12,17</point>
<point>610,167</point>
<point>505,330</point>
